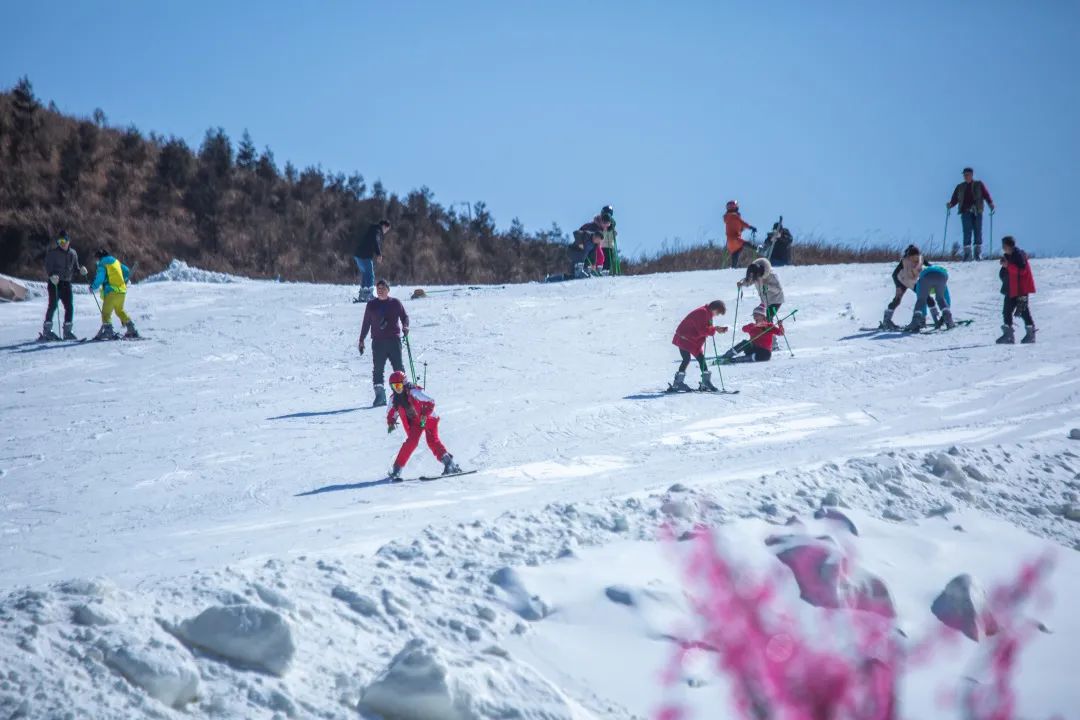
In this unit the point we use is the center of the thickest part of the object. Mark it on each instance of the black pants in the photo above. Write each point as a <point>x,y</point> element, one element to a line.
<point>381,351</point>
<point>735,258</point>
<point>1017,306</point>
<point>752,353</point>
<point>60,292</point>
<point>686,360</point>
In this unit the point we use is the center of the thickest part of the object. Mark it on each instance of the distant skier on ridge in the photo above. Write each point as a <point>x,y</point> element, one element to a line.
<point>734,226</point>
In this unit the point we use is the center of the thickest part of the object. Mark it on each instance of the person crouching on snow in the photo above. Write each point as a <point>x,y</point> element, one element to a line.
<point>933,280</point>
<point>759,346</point>
<point>690,338</point>
<point>905,276</point>
<point>415,409</point>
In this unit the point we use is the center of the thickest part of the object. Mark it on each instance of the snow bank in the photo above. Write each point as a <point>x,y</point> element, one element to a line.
<point>161,670</point>
<point>250,636</point>
<point>422,683</point>
<point>180,271</point>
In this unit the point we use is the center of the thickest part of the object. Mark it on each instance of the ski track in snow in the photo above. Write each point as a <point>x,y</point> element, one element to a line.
<point>240,433</point>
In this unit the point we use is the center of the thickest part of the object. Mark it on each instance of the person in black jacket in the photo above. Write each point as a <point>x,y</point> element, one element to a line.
<point>369,247</point>
<point>61,265</point>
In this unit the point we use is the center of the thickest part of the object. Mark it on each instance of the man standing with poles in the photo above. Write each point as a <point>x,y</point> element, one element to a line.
<point>61,265</point>
<point>388,322</point>
<point>971,195</point>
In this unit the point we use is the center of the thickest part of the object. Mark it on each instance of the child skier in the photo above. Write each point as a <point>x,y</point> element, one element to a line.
<point>733,228</point>
<point>112,277</point>
<point>61,264</point>
<point>1017,283</point>
<point>415,409</point>
<point>759,346</point>
<point>933,280</point>
<point>690,338</point>
<point>905,277</point>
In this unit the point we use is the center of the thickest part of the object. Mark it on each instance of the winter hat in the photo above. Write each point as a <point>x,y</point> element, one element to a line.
<point>760,310</point>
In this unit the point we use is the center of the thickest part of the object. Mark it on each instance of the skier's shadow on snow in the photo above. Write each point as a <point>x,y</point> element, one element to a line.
<point>349,486</point>
<point>315,414</point>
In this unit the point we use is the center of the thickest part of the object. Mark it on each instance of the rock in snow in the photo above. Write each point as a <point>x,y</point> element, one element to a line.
<point>165,672</point>
<point>962,606</point>
<point>423,683</point>
<point>1075,433</point>
<point>251,636</point>
<point>817,567</point>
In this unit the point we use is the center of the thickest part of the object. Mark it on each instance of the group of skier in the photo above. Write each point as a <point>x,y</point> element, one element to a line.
<point>62,268</point>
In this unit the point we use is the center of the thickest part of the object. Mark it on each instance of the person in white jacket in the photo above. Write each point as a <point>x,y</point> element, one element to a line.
<point>760,274</point>
<point>905,276</point>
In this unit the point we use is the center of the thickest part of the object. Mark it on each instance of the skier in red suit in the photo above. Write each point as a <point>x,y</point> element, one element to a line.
<point>416,411</point>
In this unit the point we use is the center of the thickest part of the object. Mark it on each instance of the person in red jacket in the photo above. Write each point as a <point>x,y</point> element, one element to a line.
<point>758,348</point>
<point>690,338</point>
<point>416,410</point>
<point>1017,283</point>
<point>734,226</point>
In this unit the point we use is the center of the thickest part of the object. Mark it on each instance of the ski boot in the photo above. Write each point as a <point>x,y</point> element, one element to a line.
<point>131,331</point>
<point>918,322</point>
<point>106,332</point>
<point>947,320</point>
<point>394,475</point>
<point>1007,336</point>
<point>68,335</point>
<point>579,271</point>
<point>978,252</point>
<point>679,384</point>
<point>706,383</point>
<point>935,316</point>
<point>380,397</point>
<point>1029,335</point>
<point>449,466</point>
<point>47,333</point>
<point>887,321</point>
<point>967,253</point>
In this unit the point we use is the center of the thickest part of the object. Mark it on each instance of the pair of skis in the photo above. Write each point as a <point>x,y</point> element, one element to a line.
<point>931,329</point>
<point>428,478</point>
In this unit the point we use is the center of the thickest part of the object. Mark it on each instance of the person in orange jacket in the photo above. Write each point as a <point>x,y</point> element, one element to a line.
<point>734,226</point>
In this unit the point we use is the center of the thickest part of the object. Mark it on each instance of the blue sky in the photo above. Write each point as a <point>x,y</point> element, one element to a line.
<point>852,119</point>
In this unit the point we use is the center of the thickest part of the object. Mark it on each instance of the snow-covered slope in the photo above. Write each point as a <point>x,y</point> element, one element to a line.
<point>232,461</point>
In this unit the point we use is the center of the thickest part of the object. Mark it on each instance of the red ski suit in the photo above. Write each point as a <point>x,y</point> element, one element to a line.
<point>417,419</point>
<point>694,330</point>
<point>1020,280</point>
<point>762,335</point>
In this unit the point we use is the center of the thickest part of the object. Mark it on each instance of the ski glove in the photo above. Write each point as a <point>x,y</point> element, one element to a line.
<point>82,270</point>
<point>423,421</point>
<point>390,428</point>
<point>54,279</point>
<point>360,347</point>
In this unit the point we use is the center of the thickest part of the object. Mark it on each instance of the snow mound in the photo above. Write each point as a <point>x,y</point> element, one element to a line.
<point>163,671</point>
<point>423,683</point>
<point>180,271</point>
<point>250,636</point>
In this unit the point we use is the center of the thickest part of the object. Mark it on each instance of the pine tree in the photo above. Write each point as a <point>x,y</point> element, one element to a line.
<point>25,121</point>
<point>247,155</point>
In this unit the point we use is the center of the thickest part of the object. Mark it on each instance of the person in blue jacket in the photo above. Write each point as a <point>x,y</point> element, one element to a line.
<point>933,280</point>
<point>112,277</point>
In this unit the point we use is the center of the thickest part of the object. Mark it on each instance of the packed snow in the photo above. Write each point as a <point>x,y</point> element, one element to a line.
<point>196,525</point>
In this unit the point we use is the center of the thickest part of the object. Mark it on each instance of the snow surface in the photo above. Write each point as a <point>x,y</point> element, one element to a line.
<point>230,466</point>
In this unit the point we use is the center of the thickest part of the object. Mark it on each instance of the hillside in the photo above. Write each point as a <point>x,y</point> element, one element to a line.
<point>230,207</point>
<point>225,474</point>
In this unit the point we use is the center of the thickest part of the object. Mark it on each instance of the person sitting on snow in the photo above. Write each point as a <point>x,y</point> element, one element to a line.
<point>416,411</point>
<point>690,337</point>
<point>759,346</point>
<point>933,280</point>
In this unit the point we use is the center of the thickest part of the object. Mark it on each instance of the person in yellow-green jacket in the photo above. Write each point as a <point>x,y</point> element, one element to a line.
<point>112,277</point>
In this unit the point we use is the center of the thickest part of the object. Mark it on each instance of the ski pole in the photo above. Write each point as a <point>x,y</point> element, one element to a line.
<point>719,373</point>
<point>408,349</point>
<point>945,235</point>
<point>786,342</point>
<point>735,320</point>
<point>425,374</point>
<point>991,234</point>
<point>615,266</point>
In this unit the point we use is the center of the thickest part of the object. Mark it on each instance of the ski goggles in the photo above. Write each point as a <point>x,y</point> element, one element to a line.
<point>62,240</point>
<point>397,387</point>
